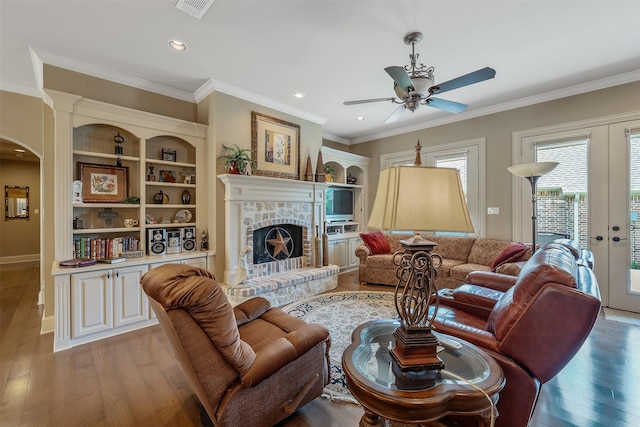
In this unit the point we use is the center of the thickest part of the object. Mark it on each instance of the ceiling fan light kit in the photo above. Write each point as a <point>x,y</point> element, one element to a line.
<point>414,84</point>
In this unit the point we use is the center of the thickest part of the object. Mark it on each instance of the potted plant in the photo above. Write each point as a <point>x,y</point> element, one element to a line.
<point>238,160</point>
<point>328,172</point>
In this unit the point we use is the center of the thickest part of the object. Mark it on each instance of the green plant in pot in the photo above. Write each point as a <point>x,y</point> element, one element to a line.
<point>238,160</point>
<point>329,173</point>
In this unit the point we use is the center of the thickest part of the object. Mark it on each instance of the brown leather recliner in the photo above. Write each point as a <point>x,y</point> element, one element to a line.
<point>539,322</point>
<point>250,365</point>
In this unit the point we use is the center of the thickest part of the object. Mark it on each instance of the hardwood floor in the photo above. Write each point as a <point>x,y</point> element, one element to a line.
<point>134,380</point>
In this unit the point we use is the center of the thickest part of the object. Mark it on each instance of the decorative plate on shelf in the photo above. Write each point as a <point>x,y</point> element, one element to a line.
<point>183,215</point>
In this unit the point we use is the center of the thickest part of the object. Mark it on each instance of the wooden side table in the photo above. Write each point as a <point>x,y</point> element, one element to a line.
<point>412,399</point>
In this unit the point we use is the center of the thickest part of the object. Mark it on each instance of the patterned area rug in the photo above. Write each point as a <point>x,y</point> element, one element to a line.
<point>341,313</point>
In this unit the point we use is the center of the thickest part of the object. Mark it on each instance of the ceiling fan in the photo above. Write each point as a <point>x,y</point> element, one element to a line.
<point>414,85</point>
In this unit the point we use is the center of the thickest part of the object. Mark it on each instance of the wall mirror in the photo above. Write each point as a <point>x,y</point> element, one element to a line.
<point>16,204</point>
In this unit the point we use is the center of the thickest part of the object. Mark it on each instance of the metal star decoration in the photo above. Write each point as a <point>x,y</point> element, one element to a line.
<point>279,244</point>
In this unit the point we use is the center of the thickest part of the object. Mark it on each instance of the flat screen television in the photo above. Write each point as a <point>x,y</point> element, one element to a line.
<point>339,204</point>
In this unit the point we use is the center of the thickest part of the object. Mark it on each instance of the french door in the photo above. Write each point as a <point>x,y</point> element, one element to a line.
<point>602,212</point>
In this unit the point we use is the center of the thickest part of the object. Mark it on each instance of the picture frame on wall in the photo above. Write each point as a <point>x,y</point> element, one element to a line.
<point>275,147</point>
<point>168,155</point>
<point>103,183</point>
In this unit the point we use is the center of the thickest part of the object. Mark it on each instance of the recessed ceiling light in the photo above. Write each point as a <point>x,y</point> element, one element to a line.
<point>177,45</point>
<point>299,94</point>
<point>360,118</point>
<point>19,150</point>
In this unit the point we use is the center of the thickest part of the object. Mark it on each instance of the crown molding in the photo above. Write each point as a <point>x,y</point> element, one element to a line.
<point>604,83</point>
<point>110,75</point>
<point>217,86</point>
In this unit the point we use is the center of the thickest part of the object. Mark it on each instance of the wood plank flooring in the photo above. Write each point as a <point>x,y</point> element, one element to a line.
<point>134,380</point>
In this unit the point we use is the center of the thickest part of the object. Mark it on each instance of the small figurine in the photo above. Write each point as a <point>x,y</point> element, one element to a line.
<point>204,243</point>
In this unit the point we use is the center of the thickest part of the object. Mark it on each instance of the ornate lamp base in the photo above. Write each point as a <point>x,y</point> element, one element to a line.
<point>416,350</point>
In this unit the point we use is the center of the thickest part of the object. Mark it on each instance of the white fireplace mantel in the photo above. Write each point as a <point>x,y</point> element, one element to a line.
<point>242,191</point>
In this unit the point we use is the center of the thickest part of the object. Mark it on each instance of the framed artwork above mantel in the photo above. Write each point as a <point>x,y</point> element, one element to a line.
<point>275,147</point>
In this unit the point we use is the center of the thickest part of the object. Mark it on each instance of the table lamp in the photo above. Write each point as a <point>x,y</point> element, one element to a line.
<point>533,172</point>
<point>428,199</point>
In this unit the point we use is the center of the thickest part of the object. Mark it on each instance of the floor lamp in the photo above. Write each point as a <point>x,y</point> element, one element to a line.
<point>532,172</point>
<point>418,198</point>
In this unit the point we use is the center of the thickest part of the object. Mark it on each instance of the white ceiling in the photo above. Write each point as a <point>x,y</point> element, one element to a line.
<point>334,51</point>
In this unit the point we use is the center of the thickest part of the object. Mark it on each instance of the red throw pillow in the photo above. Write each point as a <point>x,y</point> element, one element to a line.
<point>511,253</point>
<point>376,242</point>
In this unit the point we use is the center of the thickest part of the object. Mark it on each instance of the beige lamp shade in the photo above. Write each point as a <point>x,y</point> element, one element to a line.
<point>418,198</point>
<point>526,170</point>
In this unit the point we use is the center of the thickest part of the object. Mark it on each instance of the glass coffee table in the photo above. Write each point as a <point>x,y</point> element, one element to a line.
<point>387,394</point>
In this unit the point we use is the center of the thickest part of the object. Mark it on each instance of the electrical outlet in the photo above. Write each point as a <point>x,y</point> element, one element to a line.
<point>493,211</point>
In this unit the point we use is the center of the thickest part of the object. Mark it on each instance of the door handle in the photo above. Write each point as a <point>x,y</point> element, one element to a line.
<point>598,238</point>
<point>617,239</point>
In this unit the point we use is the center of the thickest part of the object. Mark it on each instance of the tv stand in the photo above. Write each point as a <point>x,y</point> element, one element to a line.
<point>342,227</point>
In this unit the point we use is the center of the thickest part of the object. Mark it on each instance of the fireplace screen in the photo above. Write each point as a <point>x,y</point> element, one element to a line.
<point>278,242</point>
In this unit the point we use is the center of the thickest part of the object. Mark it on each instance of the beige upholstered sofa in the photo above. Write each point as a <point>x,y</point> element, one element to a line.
<point>460,256</point>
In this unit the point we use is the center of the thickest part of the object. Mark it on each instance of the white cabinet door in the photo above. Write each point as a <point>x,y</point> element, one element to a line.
<point>197,262</point>
<point>354,242</point>
<point>91,302</point>
<point>338,253</point>
<point>130,301</point>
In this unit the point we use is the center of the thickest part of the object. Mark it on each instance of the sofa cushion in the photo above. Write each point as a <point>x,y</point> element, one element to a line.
<point>513,252</point>
<point>376,242</point>
<point>447,265</point>
<point>485,250</point>
<point>381,261</point>
<point>452,247</point>
<point>460,272</point>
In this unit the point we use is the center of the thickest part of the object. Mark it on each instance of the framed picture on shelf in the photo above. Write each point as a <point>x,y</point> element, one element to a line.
<point>168,155</point>
<point>275,147</point>
<point>103,183</point>
<point>167,176</point>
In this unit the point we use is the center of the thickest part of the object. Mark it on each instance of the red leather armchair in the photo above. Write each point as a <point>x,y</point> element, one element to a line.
<point>532,325</point>
<point>250,365</point>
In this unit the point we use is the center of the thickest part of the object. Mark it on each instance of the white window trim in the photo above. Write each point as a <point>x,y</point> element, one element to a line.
<point>387,160</point>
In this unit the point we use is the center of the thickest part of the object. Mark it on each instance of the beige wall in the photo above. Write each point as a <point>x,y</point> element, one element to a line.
<point>117,94</point>
<point>21,237</point>
<point>497,129</point>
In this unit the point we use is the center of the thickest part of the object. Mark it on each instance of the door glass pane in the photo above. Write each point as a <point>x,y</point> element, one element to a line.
<point>562,195</point>
<point>634,209</point>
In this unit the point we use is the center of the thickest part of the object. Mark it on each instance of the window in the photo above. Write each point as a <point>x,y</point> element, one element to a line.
<point>466,156</point>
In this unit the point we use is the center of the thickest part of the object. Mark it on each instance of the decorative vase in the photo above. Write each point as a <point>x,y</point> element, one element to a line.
<point>316,242</point>
<point>320,176</point>
<point>308,175</point>
<point>233,168</point>
<point>325,246</point>
<point>186,197</point>
<point>351,179</point>
<point>160,198</point>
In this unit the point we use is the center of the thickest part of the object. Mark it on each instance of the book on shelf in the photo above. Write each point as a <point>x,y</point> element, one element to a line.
<point>113,260</point>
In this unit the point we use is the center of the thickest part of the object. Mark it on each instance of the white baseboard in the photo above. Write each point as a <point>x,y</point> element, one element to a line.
<point>48,324</point>
<point>19,258</point>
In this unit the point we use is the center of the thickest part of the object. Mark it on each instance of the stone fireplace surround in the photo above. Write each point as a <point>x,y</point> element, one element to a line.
<point>253,202</point>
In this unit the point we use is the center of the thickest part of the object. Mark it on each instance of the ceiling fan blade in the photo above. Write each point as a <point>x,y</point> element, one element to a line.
<point>366,101</point>
<point>400,76</point>
<point>466,80</point>
<point>396,114</point>
<point>443,104</point>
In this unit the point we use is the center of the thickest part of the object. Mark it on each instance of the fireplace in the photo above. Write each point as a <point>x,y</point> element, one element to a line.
<point>278,246</point>
<point>253,203</point>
